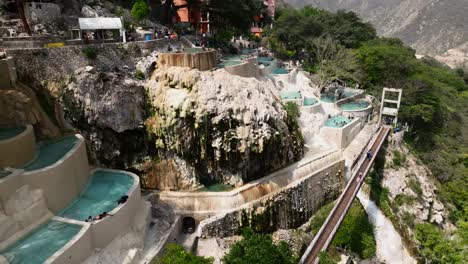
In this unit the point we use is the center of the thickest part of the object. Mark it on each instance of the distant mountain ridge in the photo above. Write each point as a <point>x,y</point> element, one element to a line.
<point>430,26</point>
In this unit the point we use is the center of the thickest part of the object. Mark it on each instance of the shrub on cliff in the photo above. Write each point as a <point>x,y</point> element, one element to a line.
<point>90,53</point>
<point>139,10</point>
<point>259,249</point>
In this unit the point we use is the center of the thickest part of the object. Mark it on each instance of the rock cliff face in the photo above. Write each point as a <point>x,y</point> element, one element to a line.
<point>430,26</point>
<point>226,128</point>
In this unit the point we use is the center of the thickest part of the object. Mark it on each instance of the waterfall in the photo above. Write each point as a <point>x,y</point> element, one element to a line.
<point>390,248</point>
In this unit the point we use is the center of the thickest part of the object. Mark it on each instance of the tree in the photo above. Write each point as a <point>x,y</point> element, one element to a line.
<point>259,249</point>
<point>233,14</point>
<point>334,62</point>
<point>139,10</point>
<point>175,254</point>
<point>19,5</point>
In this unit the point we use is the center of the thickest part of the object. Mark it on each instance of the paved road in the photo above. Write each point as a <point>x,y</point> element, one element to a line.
<point>343,204</point>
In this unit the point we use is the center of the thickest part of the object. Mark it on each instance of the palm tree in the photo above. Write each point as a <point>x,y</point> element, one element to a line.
<point>19,5</point>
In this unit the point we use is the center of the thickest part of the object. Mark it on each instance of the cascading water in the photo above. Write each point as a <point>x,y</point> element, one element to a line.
<point>390,248</point>
<point>310,124</point>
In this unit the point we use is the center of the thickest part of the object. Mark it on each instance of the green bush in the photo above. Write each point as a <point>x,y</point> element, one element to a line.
<point>325,258</point>
<point>356,232</point>
<point>398,158</point>
<point>139,10</point>
<point>435,248</point>
<point>259,249</point>
<point>90,53</point>
<point>139,75</point>
<point>176,254</point>
<point>414,185</point>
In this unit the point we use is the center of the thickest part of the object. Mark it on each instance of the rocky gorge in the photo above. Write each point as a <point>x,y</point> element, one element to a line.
<point>196,127</point>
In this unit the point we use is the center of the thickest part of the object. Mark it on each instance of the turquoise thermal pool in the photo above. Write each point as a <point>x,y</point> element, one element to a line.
<point>6,133</point>
<point>101,195</point>
<point>41,243</point>
<point>280,71</point>
<point>353,106</point>
<point>289,95</point>
<point>229,63</point>
<point>50,152</point>
<point>308,101</point>
<point>338,121</point>
<point>330,98</point>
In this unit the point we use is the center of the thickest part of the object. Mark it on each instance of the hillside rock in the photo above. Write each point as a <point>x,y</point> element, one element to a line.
<point>229,129</point>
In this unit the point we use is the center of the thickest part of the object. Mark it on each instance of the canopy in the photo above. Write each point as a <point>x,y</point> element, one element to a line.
<point>94,23</point>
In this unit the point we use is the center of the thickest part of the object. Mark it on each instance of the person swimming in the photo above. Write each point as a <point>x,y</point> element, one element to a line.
<point>122,199</point>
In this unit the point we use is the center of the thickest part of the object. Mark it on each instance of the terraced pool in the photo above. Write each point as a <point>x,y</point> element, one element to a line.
<point>289,95</point>
<point>7,133</point>
<point>50,152</point>
<point>353,106</point>
<point>308,101</point>
<point>41,243</point>
<point>338,121</point>
<point>331,98</point>
<point>279,71</point>
<point>101,195</point>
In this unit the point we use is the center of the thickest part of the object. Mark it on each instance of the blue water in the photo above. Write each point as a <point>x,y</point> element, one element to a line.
<point>264,59</point>
<point>354,106</point>
<point>101,195</point>
<point>330,98</point>
<point>6,133</point>
<point>280,71</point>
<point>337,121</point>
<point>228,63</point>
<point>309,101</point>
<point>288,95</point>
<point>233,57</point>
<point>50,152</point>
<point>41,243</point>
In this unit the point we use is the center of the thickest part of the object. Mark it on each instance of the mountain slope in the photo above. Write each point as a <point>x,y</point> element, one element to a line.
<point>430,26</point>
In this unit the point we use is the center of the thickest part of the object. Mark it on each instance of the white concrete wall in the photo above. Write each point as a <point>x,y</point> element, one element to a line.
<point>63,181</point>
<point>216,202</point>
<point>77,249</point>
<point>248,68</point>
<point>17,151</point>
<point>10,184</point>
<point>342,136</point>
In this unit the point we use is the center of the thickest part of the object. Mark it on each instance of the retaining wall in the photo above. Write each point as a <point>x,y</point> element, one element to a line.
<point>17,151</point>
<point>204,60</point>
<point>217,202</point>
<point>342,136</point>
<point>7,73</point>
<point>248,68</point>
<point>288,208</point>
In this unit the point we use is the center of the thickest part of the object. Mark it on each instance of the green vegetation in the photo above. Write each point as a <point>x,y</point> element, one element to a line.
<point>398,158</point>
<point>355,233</point>
<point>139,75</point>
<point>437,248</point>
<point>341,46</point>
<point>293,113</point>
<point>139,10</point>
<point>415,186</point>
<point>259,249</point>
<point>325,258</point>
<point>234,15</point>
<point>90,53</point>
<point>175,254</point>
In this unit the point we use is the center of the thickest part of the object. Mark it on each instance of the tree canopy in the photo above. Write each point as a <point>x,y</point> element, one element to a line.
<point>176,254</point>
<point>140,10</point>
<point>233,14</point>
<point>255,247</point>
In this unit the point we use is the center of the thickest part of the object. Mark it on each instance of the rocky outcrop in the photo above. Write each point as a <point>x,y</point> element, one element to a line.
<point>227,128</point>
<point>411,188</point>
